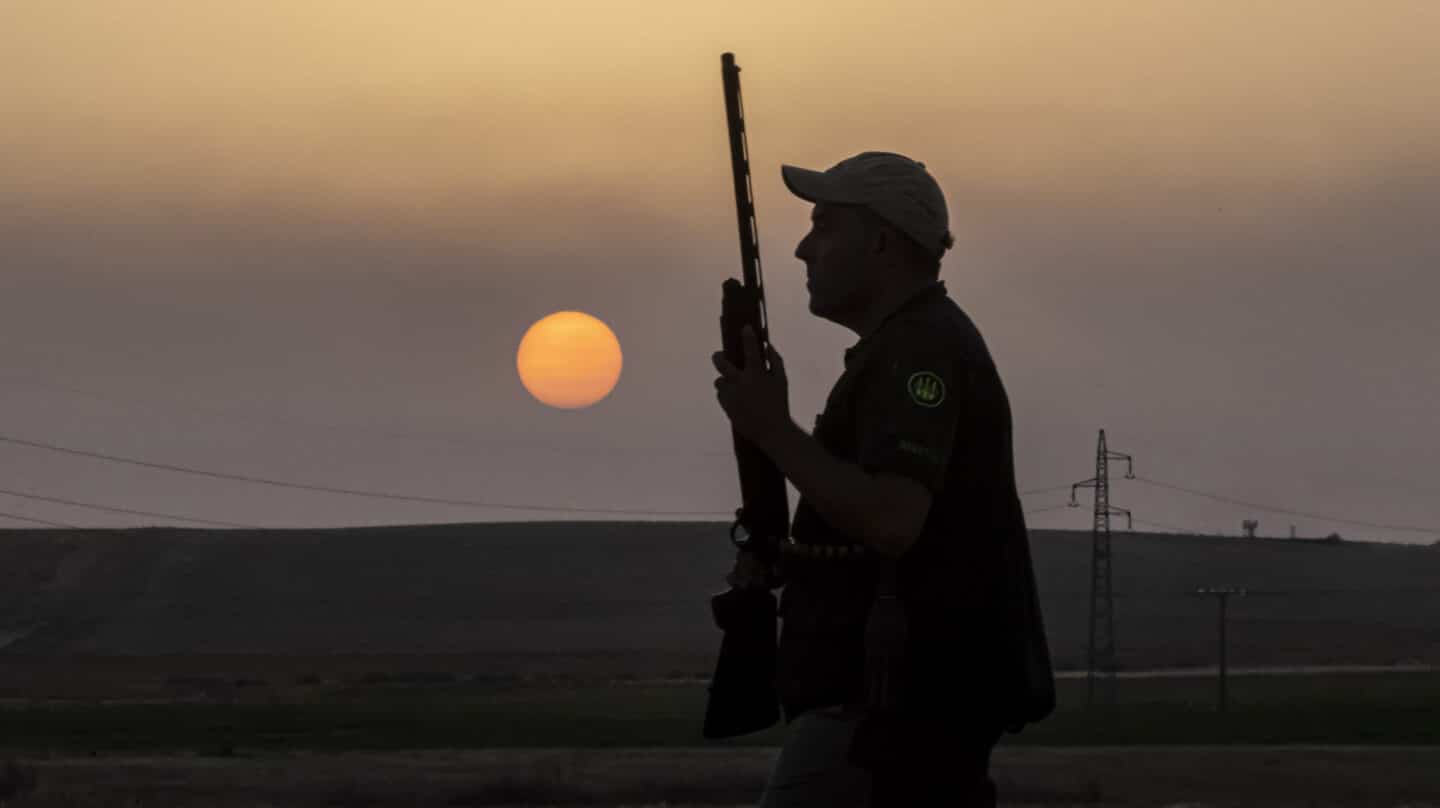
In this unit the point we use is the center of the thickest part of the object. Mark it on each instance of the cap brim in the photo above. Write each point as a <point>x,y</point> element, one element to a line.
<point>816,186</point>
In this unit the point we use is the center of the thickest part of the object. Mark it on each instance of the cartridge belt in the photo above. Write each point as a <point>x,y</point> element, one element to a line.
<point>821,552</point>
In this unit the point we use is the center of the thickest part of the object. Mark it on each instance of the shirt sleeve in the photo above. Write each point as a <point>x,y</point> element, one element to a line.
<point>908,408</point>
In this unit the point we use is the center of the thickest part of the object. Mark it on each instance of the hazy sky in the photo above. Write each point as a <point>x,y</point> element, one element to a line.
<point>301,240</point>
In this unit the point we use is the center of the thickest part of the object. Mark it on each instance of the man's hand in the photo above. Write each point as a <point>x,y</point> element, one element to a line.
<point>756,400</point>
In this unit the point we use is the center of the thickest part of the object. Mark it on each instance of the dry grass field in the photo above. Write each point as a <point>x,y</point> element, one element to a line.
<point>1209,776</point>
<point>606,744</point>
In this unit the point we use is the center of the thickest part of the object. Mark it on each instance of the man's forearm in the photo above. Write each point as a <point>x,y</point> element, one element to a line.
<point>845,495</point>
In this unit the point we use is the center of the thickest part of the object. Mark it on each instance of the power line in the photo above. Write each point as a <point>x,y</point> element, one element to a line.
<point>1145,594</point>
<point>230,412</point>
<point>351,491</point>
<point>387,434</point>
<point>113,509</point>
<point>453,440</point>
<point>1287,511</point>
<point>1046,490</point>
<point>1162,524</point>
<point>36,521</point>
<point>335,490</point>
<point>1407,590</point>
<point>1051,508</point>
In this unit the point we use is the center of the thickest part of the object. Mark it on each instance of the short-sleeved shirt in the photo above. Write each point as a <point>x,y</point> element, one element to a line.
<point>920,397</point>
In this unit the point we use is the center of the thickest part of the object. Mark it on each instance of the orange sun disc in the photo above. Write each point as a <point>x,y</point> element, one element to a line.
<point>569,360</point>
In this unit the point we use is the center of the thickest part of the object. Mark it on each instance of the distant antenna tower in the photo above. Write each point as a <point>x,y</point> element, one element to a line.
<point>1102,595</point>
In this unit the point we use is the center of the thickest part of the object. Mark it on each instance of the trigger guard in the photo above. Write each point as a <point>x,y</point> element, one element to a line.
<point>738,526</point>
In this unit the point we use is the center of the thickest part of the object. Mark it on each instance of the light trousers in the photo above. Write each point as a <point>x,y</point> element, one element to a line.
<point>813,769</point>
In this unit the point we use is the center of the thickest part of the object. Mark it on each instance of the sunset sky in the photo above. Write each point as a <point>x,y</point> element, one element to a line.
<point>301,240</point>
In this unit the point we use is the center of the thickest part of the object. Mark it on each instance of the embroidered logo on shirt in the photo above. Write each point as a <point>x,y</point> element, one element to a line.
<point>926,389</point>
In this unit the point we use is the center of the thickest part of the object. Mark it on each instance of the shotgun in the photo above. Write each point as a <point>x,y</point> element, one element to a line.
<point>742,695</point>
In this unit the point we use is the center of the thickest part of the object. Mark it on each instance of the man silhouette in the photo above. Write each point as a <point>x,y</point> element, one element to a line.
<point>911,636</point>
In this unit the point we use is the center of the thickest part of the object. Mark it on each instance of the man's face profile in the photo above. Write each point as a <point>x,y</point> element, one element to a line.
<point>839,277</point>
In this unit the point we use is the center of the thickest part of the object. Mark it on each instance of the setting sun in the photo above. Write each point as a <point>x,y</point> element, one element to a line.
<point>569,360</point>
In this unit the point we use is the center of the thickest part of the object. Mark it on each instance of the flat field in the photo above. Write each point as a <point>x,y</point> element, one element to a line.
<point>432,713</point>
<point>1264,777</point>
<point>1344,740</point>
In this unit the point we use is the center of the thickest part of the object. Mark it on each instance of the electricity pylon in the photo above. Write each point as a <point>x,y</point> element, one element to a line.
<point>1102,596</point>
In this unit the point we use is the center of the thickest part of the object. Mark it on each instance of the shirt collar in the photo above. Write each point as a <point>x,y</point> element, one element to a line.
<point>933,289</point>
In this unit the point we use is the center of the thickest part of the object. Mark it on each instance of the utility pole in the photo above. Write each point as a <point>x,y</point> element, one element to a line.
<point>1220,594</point>
<point>1102,596</point>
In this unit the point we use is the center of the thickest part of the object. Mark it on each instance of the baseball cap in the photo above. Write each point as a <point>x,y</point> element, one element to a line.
<point>898,190</point>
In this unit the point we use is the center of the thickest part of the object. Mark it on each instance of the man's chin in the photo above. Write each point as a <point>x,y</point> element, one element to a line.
<point>819,308</point>
<point>828,311</point>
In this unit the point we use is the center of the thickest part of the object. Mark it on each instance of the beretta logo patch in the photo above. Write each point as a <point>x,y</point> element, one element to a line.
<point>926,389</point>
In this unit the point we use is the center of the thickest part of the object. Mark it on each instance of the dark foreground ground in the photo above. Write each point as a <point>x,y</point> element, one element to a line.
<point>1363,739</point>
<point>218,716</point>
<point>1090,776</point>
